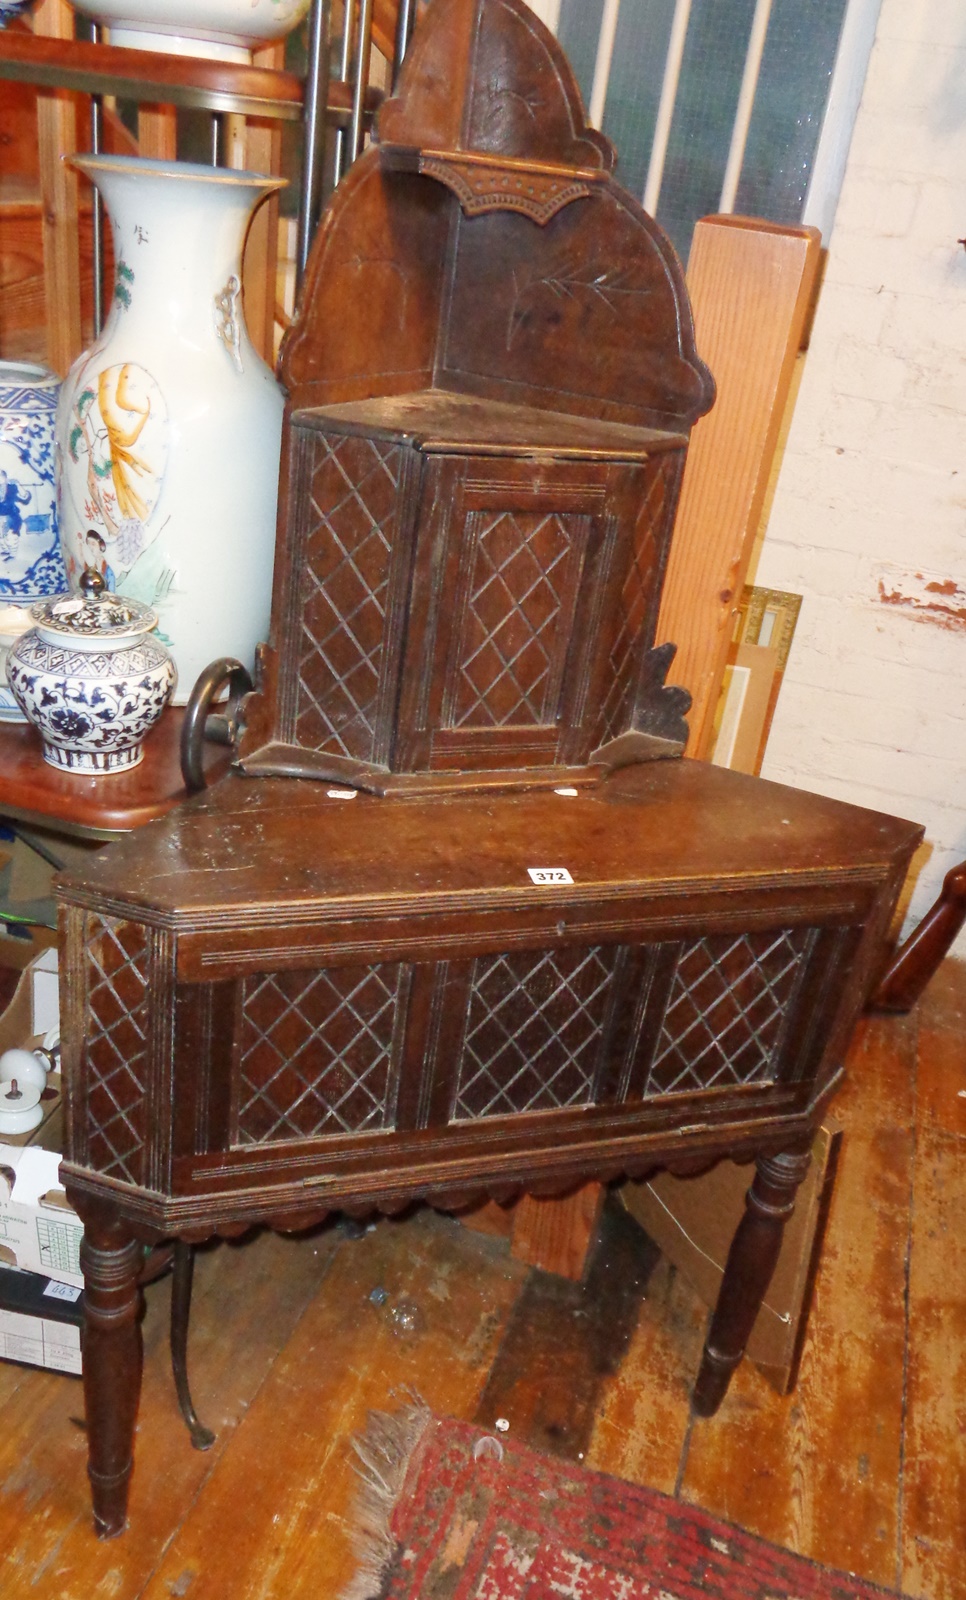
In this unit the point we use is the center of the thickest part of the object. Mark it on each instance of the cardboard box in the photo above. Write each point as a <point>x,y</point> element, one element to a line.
<point>39,1232</point>
<point>32,1012</point>
<point>693,1221</point>
<point>40,1321</point>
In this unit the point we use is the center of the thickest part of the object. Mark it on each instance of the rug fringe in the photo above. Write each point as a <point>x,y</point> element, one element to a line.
<point>384,1451</point>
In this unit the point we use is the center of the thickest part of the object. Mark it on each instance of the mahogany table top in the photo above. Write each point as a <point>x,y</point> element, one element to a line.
<point>32,791</point>
<point>274,844</point>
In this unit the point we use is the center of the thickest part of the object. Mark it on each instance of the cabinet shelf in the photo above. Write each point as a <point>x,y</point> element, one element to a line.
<point>149,76</point>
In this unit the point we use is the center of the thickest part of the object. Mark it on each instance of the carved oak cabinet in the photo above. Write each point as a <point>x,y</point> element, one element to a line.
<point>460,922</point>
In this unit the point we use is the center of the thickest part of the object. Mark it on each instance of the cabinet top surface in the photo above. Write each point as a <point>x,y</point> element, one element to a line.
<point>444,423</point>
<point>287,845</point>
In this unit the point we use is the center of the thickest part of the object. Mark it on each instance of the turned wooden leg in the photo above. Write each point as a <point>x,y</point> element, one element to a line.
<point>111,1261</point>
<point>914,963</point>
<point>751,1261</point>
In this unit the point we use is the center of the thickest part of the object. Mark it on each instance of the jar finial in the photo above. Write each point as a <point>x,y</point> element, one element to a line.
<point>92,583</point>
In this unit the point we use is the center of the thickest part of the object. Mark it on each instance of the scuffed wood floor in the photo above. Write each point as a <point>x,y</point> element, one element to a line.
<point>863,1467</point>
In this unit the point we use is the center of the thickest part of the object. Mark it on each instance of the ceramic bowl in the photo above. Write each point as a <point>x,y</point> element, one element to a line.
<point>91,679</point>
<point>220,30</point>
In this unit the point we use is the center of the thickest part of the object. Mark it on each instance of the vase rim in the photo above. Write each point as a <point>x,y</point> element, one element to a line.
<point>230,177</point>
<point>26,372</point>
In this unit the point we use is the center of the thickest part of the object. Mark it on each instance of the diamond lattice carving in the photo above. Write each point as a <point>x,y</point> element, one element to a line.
<point>635,601</point>
<point>510,649</point>
<point>316,1053</point>
<point>533,1031</point>
<point>724,1018</point>
<point>116,1047</point>
<point>345,589</point>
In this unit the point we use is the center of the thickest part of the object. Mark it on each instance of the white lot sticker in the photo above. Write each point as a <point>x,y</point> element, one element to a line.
<point>549,875</point>
<point>63,1291</point>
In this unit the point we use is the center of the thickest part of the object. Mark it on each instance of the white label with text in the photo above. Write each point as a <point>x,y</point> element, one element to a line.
<point>552,875</point>
<point>63,1291</point>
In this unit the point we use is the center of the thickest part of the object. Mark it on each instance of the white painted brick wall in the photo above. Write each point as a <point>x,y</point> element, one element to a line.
<point>872,490</point>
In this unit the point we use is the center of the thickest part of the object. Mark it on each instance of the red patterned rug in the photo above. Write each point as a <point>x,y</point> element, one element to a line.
<point>450,1514</point>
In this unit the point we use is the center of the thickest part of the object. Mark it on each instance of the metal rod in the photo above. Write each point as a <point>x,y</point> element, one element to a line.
<point>97,208</point>
<point>602,66</point>
<point>184,1265</point>
<point>404,27</point>
<point>746,104</point>
<point>363,55</point>
<point>665,110</point>
<point>313,143</point>
<point>345,67</point>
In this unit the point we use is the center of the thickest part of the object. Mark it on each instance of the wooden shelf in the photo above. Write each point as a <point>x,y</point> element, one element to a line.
<point>149,76</point>
<point>94,808</point>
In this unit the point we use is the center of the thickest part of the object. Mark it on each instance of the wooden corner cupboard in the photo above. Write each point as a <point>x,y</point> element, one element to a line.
<point>460,923</point>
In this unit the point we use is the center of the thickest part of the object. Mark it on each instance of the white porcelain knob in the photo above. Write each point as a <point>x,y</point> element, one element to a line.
<point>25,1066</point>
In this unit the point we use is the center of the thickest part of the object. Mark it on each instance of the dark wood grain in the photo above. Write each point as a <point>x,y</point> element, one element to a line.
<point>31,790</point>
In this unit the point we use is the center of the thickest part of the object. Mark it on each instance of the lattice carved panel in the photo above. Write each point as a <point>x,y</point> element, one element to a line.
<point>345,593</point>
<point>534,1032</point>
<point>116,1047</point>
<point>317,1053</point>
<point>726,1012</point>
<point>516,621</point>
<point>632,636</point>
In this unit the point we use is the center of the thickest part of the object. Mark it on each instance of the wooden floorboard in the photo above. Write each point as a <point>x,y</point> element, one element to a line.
<point>277,1514</point>
<point>934,1467</point>
<point>293,1341</point>
<point>643,1421</point>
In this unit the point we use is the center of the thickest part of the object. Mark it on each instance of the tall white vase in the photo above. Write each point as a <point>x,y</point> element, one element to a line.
<point>169,426</point>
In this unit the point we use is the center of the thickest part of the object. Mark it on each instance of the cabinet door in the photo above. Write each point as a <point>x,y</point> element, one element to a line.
<point>519,607</point>
<point>343,593</point>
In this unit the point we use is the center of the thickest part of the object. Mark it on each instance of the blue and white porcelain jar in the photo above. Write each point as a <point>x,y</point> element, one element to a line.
<point>31,565</point>
<point>91,679</point>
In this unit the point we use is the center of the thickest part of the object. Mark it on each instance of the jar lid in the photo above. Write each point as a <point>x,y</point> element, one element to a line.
<point>94,614</point>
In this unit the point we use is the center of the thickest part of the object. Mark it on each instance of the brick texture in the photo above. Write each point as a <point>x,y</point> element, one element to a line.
<point>871,498</point>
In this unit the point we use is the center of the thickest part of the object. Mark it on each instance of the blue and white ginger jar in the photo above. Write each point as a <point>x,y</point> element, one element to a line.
<point>91,679</point>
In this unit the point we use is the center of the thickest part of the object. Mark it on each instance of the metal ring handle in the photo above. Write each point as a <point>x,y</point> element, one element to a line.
<point>200,723</point>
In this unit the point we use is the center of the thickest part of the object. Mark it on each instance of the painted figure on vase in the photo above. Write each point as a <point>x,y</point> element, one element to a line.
<point>12,498</point>
<point>119,422</point>
<point>96,551</point>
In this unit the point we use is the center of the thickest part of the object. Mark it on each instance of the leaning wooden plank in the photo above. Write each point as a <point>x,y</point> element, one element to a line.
<point>556,1234</point>
<point>57,137</point>
<point>751,284</point>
